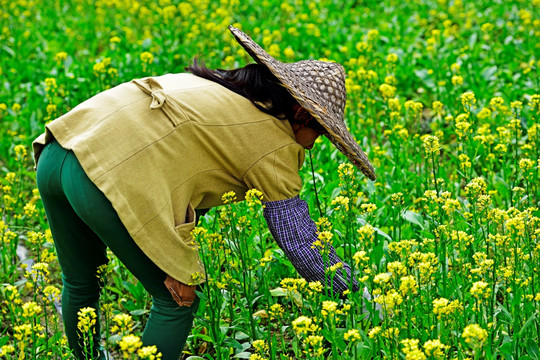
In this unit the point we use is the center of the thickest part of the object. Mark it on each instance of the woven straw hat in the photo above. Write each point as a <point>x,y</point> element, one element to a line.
<point>319,87</point>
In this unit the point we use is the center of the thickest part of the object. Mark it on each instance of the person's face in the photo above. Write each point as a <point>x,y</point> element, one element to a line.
<point>304,134</point>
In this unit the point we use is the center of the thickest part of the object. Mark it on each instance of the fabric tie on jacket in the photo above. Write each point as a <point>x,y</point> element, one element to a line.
<point>158,99</point>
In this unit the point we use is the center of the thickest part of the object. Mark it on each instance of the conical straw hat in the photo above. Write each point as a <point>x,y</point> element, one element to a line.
<point>319,87</point>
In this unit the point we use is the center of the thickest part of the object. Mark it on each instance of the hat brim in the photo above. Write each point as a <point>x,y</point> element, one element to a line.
<point>294,81</point>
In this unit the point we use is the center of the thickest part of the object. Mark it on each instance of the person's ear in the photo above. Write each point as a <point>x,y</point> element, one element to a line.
<point>302,115</point>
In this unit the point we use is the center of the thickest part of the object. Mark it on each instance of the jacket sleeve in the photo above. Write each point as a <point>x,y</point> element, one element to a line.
<point>276,174</point>
<point>295,232</point>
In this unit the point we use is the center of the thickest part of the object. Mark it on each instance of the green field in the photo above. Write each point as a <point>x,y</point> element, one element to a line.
<point>444,98</point>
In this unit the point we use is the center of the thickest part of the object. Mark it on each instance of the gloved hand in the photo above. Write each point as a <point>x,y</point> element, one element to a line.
<point>183,294</point>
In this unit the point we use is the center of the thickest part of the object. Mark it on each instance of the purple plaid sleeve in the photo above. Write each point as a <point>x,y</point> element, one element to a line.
<point>295,231</point>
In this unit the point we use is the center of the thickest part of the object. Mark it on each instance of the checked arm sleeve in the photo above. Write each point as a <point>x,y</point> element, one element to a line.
<point>295,231</point>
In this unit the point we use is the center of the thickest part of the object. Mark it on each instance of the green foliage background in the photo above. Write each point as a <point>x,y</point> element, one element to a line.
<point>440,95</point>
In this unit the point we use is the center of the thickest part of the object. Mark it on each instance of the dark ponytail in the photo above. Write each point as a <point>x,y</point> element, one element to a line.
<point>254,82</point>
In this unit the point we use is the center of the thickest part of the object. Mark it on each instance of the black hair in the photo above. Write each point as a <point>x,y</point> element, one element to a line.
<point>254,82</point>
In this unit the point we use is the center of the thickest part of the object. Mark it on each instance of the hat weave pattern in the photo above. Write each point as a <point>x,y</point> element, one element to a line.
<point>319,87</point>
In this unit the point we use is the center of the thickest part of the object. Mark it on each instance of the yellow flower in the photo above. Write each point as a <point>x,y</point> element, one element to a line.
<point>39,273</point>
<point>442,307</point>
<point>229,197</point>
<point>411,350</point>
<point>360,257</point>
<point>463,128</point>
<point>304,325</point>
<point>61,56</point>
<point>526,165</point>
<point>435,348</point>
<point>289,53</point>
<point>437,107</point>
<point>402,247</point>
<point>431,145</point>
<point>328,307</point>
<point>368,207</point>
<point>22,331</point>
<point>534,102</point>
<point>276,311</point>
<point>496,102</point>
<point>6,350</point>
<point>468,99</point>
<point>457,80</point>
<point>394,105</point>
<point>130,344</point>
<point>323,224</point>
<point>408,285</point>
<point>516,105</point>
<point>474,335</point>
<point>294,284</point>
<point>325,237</point>
<point>256,357</point>
<point>389,300</point>
<point>487,27</point>
<point>52,293</point>
<point>413,107</point>
<point>149,353</point>
<point>390,333</point>
<point>254,197</point>
<point>340,202</point>
<point>480,290</point>
<point>392,58</point>
<point>397,199</point>
<point>20,152</point>
<point>483,114</point>
<point>352,335</point>
<point>30,209</point>
<point>382,278</point>
<point>147,57</point>
<point>260,346</point>
<point>387,91</point>
<point>315,341</point>
<point>123,323</point>
<point>372,34</point>
<point>50,84</point>
<point>31,309</point>
<point>335,267</point>
<point>374,332</point>
<point>87,319</point>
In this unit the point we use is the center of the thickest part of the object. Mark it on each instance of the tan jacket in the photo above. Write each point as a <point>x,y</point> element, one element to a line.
<point>160,147</point>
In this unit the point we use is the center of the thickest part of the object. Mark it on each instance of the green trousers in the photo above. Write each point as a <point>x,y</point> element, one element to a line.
<point>83,224</point>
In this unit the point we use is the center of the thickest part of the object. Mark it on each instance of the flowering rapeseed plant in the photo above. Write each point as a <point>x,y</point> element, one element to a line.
<point>443,243</point>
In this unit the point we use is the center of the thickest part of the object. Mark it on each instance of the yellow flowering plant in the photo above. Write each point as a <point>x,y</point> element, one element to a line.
<point>443,245</point>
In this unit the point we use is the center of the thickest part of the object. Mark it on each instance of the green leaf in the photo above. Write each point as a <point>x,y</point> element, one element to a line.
<point>8,50</point>
<point>232,343</point>
<point>242,355</point>
<point>489,72</point>
<point>139,312</point>
<point>506,350</point>
<point>472,40</point>
<point>533,350</point>
<point>528,323</point>
<point>278,292</point>
<point>4,340</point>
<point>203,337</point>
<point>414,218</point>
<point>241,336</point>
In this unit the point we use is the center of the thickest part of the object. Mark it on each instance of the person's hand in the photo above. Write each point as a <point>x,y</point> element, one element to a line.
<point>183,294</point>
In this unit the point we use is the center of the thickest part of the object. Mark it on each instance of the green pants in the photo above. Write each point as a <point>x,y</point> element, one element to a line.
<point>83,224</point>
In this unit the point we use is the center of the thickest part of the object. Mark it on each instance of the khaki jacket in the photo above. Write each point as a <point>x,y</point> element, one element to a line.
<point>160,147</point>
